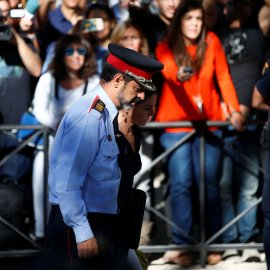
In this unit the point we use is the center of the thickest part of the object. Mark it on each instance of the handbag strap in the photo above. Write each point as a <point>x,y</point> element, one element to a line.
<point>56,88</point>
<point>85,87</point>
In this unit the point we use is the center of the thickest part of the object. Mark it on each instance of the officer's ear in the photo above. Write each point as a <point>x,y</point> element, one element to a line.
<point>118,80</point>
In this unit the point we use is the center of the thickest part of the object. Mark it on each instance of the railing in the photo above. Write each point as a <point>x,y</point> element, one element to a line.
<point>203,246</point>
<point>39,129</point>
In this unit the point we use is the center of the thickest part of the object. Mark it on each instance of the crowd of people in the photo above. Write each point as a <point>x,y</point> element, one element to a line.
<point>213,52</point>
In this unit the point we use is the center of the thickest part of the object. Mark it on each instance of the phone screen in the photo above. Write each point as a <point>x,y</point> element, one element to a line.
<point>16,13</point>
<point>95,24</point>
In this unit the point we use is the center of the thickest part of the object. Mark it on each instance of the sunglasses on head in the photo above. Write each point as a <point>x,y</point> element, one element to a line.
<point>70,51</point>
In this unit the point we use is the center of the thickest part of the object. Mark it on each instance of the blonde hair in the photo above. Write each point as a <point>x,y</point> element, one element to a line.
<point>120,29</point>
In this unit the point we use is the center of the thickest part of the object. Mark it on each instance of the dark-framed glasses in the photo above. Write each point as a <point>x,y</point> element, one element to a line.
<point>70,51</point>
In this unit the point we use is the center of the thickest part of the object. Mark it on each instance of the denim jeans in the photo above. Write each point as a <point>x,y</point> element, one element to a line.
<point>239,184</point>
<point>184,171</point>
<point>266,212</point>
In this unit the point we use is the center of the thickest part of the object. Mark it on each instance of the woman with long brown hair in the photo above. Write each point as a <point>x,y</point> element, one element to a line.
<point>192,57</point>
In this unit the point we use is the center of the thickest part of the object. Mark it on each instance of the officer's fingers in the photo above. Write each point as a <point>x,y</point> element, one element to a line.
<point>82,250</point>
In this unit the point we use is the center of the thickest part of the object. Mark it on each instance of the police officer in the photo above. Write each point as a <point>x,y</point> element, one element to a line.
<point>84,228</point>
<point>260,100</point>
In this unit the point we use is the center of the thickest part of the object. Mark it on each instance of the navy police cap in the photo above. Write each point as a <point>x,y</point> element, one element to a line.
<point>138,66</point>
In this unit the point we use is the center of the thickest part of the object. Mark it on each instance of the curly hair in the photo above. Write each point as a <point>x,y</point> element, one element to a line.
<point>58,67</point>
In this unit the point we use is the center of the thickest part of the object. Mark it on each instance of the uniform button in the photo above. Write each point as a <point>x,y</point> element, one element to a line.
<point>109,137</point>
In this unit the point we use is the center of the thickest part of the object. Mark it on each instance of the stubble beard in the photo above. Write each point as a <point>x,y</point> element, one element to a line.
<point>123,103</point>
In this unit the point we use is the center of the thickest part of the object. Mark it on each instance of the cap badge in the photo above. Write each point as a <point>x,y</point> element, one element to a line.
<point>139,78</point>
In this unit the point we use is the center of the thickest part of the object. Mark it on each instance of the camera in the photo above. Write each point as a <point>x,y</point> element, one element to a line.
<point>5,29</point>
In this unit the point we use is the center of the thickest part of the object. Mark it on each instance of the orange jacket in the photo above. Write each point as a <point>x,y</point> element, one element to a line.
<point>176,100</point>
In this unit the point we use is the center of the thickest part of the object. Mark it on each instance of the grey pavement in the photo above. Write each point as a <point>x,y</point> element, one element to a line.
<point>220,266</point>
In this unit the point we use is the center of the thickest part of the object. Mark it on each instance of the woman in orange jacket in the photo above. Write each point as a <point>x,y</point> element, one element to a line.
<point>190,95</point>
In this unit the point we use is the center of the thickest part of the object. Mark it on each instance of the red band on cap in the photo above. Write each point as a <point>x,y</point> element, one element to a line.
<point>122,66</point>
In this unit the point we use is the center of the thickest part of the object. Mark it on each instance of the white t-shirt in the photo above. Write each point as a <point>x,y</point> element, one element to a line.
<point>47,109</point>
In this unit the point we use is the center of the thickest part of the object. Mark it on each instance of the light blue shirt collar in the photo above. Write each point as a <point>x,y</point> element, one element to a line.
<point>109,104</point>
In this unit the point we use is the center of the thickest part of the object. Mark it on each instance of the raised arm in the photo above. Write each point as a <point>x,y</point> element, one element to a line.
<point>43,13</point>
<point>30,59</point>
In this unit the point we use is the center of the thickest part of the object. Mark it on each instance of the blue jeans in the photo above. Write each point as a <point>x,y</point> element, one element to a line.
<point>241,179</point>
<point>266,212</point>
<point>184,170</point>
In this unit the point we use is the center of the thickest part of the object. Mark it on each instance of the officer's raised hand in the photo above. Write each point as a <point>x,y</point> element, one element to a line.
<point>88,248</point>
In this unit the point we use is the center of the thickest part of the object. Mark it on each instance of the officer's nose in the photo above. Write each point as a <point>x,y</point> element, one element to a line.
<point>141,95</point>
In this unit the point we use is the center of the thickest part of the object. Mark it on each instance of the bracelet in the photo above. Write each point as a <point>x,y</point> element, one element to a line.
<point>233,112</point>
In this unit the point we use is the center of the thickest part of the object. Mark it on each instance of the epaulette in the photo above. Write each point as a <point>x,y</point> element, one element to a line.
<point>266,66</point>
<point>98,105</point>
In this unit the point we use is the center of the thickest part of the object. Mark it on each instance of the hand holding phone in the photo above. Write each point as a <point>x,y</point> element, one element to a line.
<point>184,73</point>
<point>188,69</point>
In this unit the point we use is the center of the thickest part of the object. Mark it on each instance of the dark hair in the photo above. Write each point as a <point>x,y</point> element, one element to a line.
<point>108,72</point>
<point>100,5</point>
<point>58,67</point>
<point>176,39</point>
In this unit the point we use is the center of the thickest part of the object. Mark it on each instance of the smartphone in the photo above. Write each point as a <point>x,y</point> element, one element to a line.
<point>188,69</point>
<point>16,13</point>
<point>92,25</point>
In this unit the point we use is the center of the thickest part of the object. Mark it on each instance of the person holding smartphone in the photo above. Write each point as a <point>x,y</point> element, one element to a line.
<point>190,95</point>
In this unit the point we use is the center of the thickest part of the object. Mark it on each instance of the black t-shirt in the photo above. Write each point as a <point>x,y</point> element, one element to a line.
<point>16,89</point>
<point>244,48</point>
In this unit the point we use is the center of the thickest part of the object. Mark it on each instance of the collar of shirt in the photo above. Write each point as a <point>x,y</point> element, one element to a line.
<point>109,104</point>
<point>59,21</point>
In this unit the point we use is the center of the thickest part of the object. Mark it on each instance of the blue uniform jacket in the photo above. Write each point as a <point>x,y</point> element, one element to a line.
<point>84,175</point>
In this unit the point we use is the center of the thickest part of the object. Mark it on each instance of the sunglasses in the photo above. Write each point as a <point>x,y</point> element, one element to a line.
<point>70,51</point>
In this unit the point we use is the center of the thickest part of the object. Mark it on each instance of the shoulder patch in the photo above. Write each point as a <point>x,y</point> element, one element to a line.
<point>98,105</point>
<point>266,65</point>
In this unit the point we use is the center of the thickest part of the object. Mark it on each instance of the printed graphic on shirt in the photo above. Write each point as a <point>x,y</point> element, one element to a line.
<point>235,47</point>
<point>7,75</point>
<point>7,71</point>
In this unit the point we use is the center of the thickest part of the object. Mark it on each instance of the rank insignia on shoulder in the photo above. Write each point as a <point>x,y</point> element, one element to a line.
<point>98,105</point>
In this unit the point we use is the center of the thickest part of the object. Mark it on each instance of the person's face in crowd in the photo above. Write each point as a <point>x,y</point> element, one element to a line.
<point>191,26</point>
<point>131,39</point>
<point>26,24</point>
<point>71,3</point>
<point>104,34</point>
<point>167,9</point>
<point>74,58</point>
<point>144,111</point>
<point>4,6</point>
<point>129,95</point>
